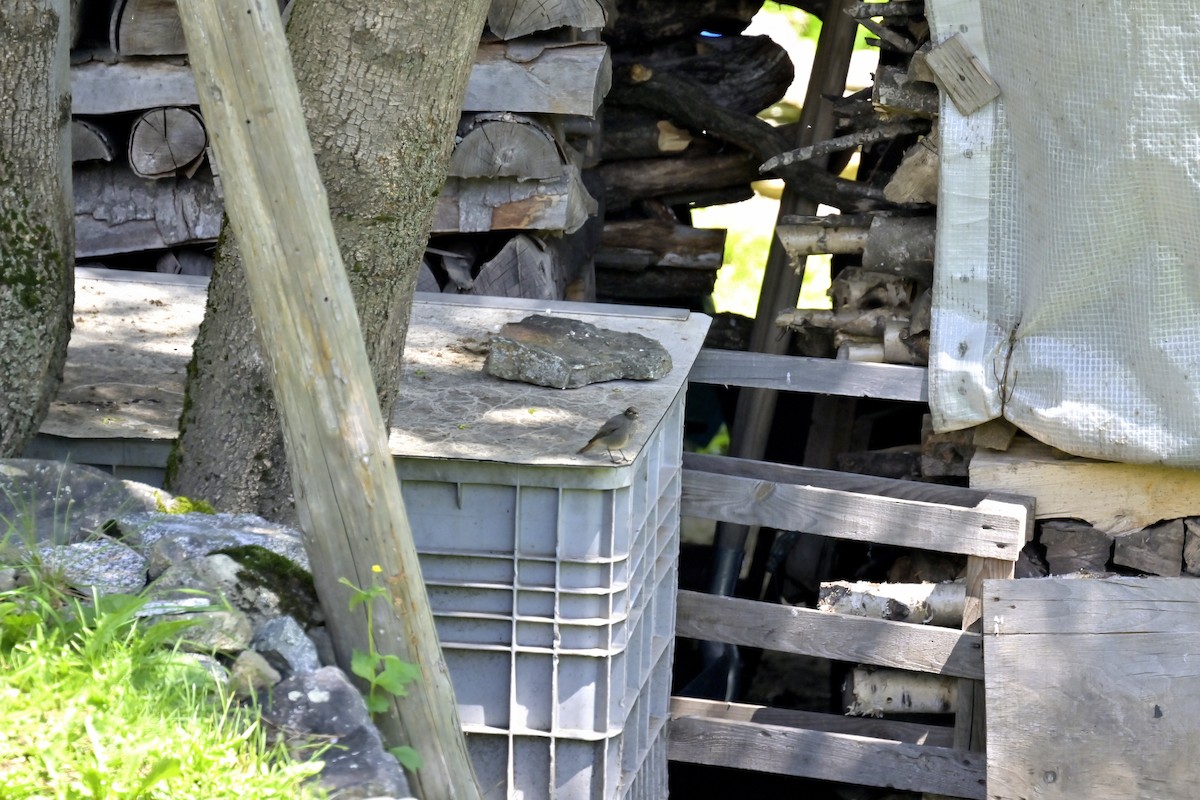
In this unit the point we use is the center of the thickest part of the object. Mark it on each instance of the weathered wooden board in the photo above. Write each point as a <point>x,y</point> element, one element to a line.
<point>790,629</point>
<point>1113,497</point>
<point>826,756</point>
<point>1091,688</point>
<point>894,730</point>
<point>811,375</point>
<point>856,507</point>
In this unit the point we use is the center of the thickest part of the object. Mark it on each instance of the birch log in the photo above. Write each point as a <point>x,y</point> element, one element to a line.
<point>939,604</point>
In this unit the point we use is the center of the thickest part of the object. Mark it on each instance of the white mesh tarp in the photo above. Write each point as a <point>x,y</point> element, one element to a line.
<point>1067,291</point>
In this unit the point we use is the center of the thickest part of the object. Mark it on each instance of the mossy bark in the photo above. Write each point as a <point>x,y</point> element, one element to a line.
<point>382,88</point>
<point>36,233</point>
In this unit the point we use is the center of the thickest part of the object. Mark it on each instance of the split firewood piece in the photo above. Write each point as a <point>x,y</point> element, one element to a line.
<point>118,212</point>
<point>533,77</point>
<point>960,75</point>
<point>916,178</point>
<point>476,206</point>
<point>898,93</point>
<point>146,28</point>
<point>1191,546</point>
<point>939,604</point>
<point>875,692</point>
<point>90,141</point>
<point>881,133</point>
<point>524,267</point>
<point>166,141</point>
<point>1074,546</point>
<point>509,19</point>
<point>1157,549</point>
<point>505,145</point>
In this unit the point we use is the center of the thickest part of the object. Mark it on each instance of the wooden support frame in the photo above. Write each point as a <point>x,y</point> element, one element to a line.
<point>989,528</point>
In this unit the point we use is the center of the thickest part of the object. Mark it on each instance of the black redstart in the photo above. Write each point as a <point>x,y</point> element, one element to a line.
<point>614,434</point>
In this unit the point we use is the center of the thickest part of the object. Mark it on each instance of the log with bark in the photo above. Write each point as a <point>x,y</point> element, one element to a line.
<point>506,145</point>
<point>509,19</point>
<point>476,205</point>
<point>1074,546</point>
<point>91,141</point>
<point>118,212</point>
<point>875,692</point>
<point>939,604</point>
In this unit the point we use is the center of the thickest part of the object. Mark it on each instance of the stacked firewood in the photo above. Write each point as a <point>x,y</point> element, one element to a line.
<point>658,163</point>
<point>884,240</point>
<point>147,194</point>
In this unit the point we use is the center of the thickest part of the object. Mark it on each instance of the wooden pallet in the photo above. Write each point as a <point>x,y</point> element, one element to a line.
<point>989,528</point>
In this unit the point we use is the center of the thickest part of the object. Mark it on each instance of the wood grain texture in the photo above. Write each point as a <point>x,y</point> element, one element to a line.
<point>1091,688</point>
<point>811,375</point>
<point>789,629</point>
<point>347,496</point>
<point>546,79</point>
<point>853,507</point>
<point>1113,497</point>
<point>826,756</point>
<point>893,730</point>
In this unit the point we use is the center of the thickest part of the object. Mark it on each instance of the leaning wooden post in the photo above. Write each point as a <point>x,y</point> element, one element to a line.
<point>347,495</point>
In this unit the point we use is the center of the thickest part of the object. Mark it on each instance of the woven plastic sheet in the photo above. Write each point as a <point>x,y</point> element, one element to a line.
<point>1067,292</point>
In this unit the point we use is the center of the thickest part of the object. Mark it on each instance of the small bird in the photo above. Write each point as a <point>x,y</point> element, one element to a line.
<point>614,434</point>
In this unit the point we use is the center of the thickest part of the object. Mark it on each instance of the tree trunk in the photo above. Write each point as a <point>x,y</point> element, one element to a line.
<point>36,236</point>
<point>382,88</point>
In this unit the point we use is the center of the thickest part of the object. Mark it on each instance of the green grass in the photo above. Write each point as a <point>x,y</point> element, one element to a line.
<point>96,704</point>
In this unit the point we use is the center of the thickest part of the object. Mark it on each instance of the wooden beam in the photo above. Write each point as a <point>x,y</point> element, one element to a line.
<point>856,507</point>
<point>890,729</point>
<point>1113,497</point>
<point>790,629</point>
<point>347,497</point>
<point>811,375</point>
<point>826,756</point>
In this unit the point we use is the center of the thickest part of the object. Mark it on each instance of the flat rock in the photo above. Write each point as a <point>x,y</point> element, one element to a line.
<point>58,503</point>
<point>101,564</point>
<point>326,705</point>
<point>168,539</point>
<point>565,353</point>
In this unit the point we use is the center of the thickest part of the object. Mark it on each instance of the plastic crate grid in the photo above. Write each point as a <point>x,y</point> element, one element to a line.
<point>556,608</point>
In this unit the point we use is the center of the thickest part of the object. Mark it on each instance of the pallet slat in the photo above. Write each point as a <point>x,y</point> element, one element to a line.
<point>827,756</point>
<point>813,501</point>
<point>889,729</point>
<point>813,375</point>
<point>901,645</point>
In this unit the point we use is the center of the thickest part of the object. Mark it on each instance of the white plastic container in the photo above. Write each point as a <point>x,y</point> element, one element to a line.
<point>552,575</point>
